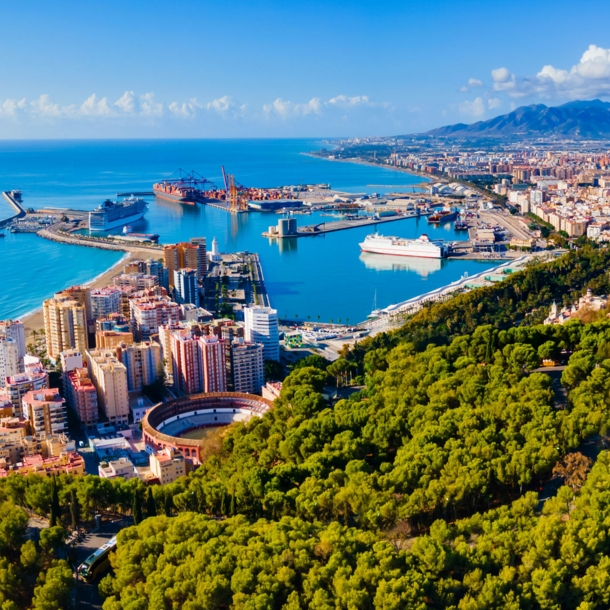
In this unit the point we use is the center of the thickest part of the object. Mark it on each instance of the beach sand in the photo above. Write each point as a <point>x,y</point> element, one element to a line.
<point>35,320</point>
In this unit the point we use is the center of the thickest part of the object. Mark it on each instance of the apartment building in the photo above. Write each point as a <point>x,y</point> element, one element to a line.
<point>142,362</point>
<point>45,411</point>
<point>247,367</point>
<point>151,312</point>
<point>109,376</point>
<point>65,323</point>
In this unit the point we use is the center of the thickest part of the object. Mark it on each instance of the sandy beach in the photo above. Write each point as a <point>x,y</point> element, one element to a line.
<point>35,320</point>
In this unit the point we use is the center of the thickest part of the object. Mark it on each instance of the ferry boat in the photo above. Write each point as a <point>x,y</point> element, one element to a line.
<point>444,215</point>
<point>112,214</point>
<point>421,247</point>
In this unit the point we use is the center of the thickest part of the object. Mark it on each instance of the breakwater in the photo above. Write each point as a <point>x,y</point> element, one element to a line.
<point>11,197</point>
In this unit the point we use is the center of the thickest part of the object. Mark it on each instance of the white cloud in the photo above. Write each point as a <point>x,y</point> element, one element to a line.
<point>493,102</point>
<point>590,77</point>
<point>226,106</point>
<point>94,107</point>
<point>45,107</point>
<point>476,108</point>
<point>149,107</point>
<point>126,103</point>
<point>473,83</point>
<point>317,107</point>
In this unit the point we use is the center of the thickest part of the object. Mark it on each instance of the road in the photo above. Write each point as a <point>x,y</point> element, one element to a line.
<point>87,596</point>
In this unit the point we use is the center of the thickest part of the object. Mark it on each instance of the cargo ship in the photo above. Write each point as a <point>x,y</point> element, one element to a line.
<point>422,247</point>
<point>444,215</point>
<point>186,188</point>
<point>113,214</point>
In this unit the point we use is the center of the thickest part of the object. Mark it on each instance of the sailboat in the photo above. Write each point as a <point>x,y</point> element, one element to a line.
<point>375,313</point>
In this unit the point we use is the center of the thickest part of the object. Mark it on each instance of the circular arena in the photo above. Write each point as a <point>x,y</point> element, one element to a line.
<point>166,424</point>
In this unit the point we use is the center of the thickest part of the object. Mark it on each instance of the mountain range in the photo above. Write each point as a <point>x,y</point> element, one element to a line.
<point>578,119</point>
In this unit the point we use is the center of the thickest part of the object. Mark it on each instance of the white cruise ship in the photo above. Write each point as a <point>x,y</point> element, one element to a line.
<point>113,214</point>
<point>421,247</point>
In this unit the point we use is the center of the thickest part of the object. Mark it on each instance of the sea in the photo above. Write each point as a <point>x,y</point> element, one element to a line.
<point>320,278</point>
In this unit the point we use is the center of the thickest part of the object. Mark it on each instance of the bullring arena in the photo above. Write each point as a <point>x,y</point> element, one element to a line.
<point>167,424</point>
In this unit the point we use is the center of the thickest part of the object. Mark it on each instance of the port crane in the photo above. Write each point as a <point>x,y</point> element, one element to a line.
<point>236,200</point>
<point>190,179</point>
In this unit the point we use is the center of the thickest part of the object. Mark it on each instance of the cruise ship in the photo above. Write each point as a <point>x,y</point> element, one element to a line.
<point>112,214</point>
<point>421,247</point>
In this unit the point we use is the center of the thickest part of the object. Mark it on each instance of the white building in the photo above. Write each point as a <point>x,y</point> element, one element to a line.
<point>14,329</point>
<point>261,326</point>
<point>9,359</point>
<point>122,468</point>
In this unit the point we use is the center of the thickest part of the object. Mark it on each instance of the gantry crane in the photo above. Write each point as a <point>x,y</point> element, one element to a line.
<point>237,202</point>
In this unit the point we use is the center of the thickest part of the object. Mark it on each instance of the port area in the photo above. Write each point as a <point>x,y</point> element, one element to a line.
<point>341,225</point>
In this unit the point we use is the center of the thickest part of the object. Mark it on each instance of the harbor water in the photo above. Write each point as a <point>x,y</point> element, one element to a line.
<point>323,278</point>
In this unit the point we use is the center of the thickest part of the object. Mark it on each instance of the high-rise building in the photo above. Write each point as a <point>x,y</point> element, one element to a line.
<point>185,286</point>
<point>14,329</point>
<point>105,301</point>
<point>9,359</point>
<point>202,257</point>
<point>187,368</point>
<point>142,361</point>
<point>70,359</point>
<point>45,411</point>
<point>65,324</point>
<point>17,386</point>
<point>139,281</point>
<point>198,363</point>
<point>81,395</point>
<point>213,361</point>
<point>247,367</point>
<point>111,339</point>
<point>261,326</point>
<point>181,256</point>
<point>157,268</point>
<point>81,294</point>
<point>109,376</point>
<point>149,313</point>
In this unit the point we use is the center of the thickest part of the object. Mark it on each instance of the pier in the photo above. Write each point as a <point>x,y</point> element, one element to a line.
<point>341,225</point>
<point>136,194</point>
<point>14,198</point>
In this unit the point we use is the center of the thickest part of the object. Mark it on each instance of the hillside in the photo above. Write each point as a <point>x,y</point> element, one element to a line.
<point>578,119</point>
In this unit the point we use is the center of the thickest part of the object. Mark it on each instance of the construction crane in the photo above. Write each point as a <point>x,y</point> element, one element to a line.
<point>237,202</point>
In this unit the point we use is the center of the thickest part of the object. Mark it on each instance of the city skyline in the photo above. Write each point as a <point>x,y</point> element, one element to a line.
<point>266,69</point>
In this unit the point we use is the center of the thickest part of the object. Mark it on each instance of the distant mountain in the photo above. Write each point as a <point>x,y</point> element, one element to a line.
<point>578,119</point>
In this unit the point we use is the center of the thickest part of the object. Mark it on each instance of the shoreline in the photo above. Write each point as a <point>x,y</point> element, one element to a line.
<point>34,320</point>
<point>426,177</point>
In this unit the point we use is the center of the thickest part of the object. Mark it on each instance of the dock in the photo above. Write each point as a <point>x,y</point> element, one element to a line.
<point>341,225</point>
<point>136,194</point>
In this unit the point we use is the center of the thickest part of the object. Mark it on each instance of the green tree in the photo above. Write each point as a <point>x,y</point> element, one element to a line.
<point>55,518</point>
<point>74,509</point>
<point>136,509</point>
<point>151,506</point>
<point>54,591</point>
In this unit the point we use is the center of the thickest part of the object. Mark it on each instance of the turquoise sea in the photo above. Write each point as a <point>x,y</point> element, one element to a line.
<point>323,277</point>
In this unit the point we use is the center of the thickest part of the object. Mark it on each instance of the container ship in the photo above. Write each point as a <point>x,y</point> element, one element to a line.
<point>187,188</point>
<point>421,247</point>
<point>112,214</point>
<point>444,215</point>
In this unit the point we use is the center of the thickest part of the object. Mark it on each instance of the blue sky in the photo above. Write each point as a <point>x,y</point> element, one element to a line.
<point>145,68</point>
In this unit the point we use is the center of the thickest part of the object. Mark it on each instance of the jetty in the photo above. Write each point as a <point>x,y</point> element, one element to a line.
<point>340,225</point>
<point>14,199</point>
